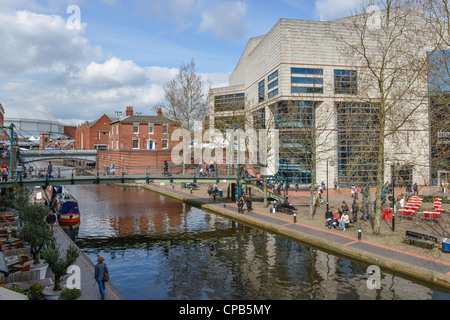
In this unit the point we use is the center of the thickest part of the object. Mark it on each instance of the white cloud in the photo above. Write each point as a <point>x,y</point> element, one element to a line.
<point>36,43</point>
<point>332,9</point>
<point>227,20</point>
<point>46,66</point>
<point>112,73</point>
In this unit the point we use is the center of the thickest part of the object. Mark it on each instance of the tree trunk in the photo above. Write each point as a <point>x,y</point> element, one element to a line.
<point>380,178</point>
<point>266,203</point>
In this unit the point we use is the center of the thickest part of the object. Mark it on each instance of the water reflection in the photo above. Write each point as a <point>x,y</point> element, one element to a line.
<point>159,248</point>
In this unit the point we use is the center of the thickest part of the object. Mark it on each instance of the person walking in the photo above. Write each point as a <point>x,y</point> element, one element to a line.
<point>4,174</point>
<point>51,219</point>
<point>249,204</point>
<point>50,169</point>
<point>100,269</point>
<point>240,204</point>
<point>416,189</point>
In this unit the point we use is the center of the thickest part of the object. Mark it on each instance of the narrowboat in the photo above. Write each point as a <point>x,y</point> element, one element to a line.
<point>64,205</point>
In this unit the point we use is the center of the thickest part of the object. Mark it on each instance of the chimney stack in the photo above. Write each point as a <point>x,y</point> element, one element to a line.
<point>129,111</point>
<point>159,112</point>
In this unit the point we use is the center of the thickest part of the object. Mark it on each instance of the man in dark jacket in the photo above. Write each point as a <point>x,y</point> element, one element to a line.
<point>329,218</point>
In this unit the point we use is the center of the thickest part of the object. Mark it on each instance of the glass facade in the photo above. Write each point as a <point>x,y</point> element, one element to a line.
<point>229,102</point>
<point>309,82</point>
<point>358,143</point>
<point>439,91</point>
<point>295,121</point>
<point>345,82</point>
<point>259,119</point>
<point>261,91</point>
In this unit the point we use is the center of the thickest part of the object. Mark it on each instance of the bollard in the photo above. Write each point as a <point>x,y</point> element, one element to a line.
<point>295,217</point>
<point>359,233</point>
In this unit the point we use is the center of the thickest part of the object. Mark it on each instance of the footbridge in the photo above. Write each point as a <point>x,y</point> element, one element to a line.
<point>28,156</point>
<point>71,177</point>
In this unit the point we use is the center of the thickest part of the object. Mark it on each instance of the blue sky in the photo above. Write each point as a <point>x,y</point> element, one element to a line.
<point>125,50</point>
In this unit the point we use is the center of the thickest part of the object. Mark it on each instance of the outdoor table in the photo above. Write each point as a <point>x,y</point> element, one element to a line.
<point>12,260</point>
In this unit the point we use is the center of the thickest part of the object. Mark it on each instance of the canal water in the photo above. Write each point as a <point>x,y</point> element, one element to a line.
<point>157,248</point>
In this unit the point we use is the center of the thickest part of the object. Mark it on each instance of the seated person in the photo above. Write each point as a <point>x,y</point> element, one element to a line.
<point>329,218</point>
<point>336,218</point>
<point>344,221</point>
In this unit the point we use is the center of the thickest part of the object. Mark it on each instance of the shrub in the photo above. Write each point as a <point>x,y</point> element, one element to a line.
<point>70,294</point>
<point>35,292</point>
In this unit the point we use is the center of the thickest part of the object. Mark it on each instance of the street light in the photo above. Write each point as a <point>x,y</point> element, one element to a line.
<point>394,167</point>
<point>327,186</point>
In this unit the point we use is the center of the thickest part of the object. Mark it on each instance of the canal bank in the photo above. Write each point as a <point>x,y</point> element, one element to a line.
<point>89,287</point>
<point>388,251</point>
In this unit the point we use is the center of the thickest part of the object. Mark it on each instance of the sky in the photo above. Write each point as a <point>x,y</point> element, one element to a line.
<point>79,59</point>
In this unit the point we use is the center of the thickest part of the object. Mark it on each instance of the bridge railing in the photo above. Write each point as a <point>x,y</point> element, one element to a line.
<point>31,172</point>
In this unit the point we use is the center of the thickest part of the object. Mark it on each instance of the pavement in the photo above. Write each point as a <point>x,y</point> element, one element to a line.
<point>89,287</point>
<point>388,250</point>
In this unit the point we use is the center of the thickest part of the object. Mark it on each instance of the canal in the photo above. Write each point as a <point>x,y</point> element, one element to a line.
<point>158,248</point>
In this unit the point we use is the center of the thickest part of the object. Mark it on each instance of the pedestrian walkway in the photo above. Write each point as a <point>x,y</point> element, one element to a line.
<point>89,287</point>
<point>387,250</point>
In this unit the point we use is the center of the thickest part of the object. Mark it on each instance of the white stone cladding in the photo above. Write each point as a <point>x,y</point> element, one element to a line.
<point>314,44</point>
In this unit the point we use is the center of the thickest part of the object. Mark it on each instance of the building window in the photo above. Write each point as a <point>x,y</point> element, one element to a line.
<point>135,143</point>
<point>307,80</point>
<point>261,91</point>
<point>165,128</point>
<point>296,123</point>
<point>151,128</point>
<point>165,144</point>
<point>273,93</point>
<point>307,71</point>
<point>309,83</point>
<point>272,76</point>
<point>272,85</point>
<point>117,144</point>
<point>229,102</point>
<point>135,127</point>
<point>306,90</point>
<point>345,82</point>
<point>259,119</point>
<point>358,143</point>
<point>117,129</point>
<point>151,145</point>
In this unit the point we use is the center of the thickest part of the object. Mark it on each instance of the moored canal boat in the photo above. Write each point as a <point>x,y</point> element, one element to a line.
<point>64,205</point>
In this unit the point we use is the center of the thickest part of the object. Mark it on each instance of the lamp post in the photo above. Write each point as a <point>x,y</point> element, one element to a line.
<point>394,167</point>
<point>331,164</point>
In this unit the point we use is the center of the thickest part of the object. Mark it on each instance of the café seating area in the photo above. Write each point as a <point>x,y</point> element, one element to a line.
<point>15,253</point>
<point>412,209</point>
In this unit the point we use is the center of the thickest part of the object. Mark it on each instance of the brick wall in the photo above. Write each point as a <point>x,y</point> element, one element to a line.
<point>133,161</point>
<point>124,133</point>
<point>87,137</point>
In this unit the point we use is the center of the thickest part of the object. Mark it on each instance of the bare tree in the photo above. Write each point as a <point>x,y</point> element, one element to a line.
<point>186,100</point>
<point>389,48</point>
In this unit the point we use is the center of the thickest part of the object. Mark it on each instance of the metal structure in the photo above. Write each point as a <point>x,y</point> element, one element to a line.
<point>28,156</point>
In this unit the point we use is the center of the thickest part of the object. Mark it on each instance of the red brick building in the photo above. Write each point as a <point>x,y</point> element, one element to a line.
<point>93,134</point>
<point>138,132</point>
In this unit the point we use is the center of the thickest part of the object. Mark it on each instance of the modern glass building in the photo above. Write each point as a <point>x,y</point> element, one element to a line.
<point>296,80</point>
